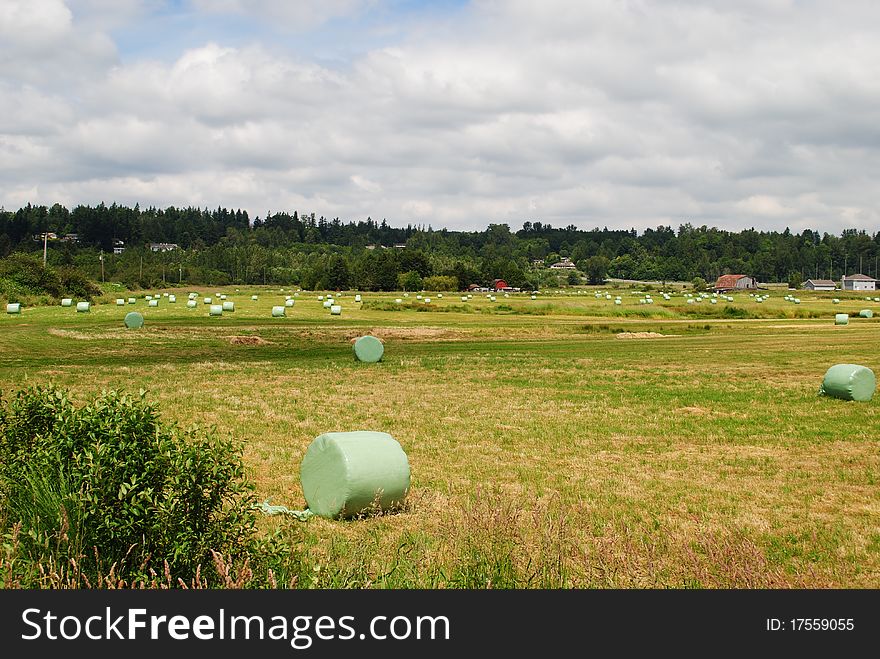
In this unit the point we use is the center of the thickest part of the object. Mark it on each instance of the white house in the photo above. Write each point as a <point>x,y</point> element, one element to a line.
<point>564,264</point>
<point>858,282</point>
<point>164,247</point>
<point>819,285</point>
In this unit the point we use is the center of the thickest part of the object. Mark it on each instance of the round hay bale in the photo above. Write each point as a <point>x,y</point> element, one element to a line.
<point>229,305</point>
<point>120,302</point>
<point>191,304</point>
<point>83,307</point>
<point>427,300</point>
<point>216,310</point>
<point>835,301</point>
<point>849,382</point>
<point>439,296</point>
<point>335,310</point>
<point>398,301</point>
<point>288,303</point>
<point>345,474</point>
<point>464,298</point>
<point>841,319</point>
<point>207,300</point>
<point>149,297</point>
<point>866,313</point>
<point>328,304</point>
<point>253,297</point>
<point>320,298</point>
<point>13,308</point>
<point>368,349</point>
<point>172,299</point>
<point>534,297</point>
<point>66,302</point>
<point>132,300</point>
<point>153,303</point>
<point>357,298</point>
<point>222,297</point>
<point>618,301</point>
<point>133,320</point>
<point>278,312</point>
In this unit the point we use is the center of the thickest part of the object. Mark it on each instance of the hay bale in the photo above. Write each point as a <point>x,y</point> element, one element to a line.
<point>229,305</point>
<point>120,302</point>
<point>222,297</point>
<point>428,300</point>
<point>328,304</point>
<point>278,312</point>
<point>288,303</point>
<point>398,301</point>
<point>345,474</point>
<point>368,349</point>
<point>320,298</point>
<point>866,313</point>
<point>835,301</point>
<point>841,319</point>
<point>335,310</point>
<point>83,307</point>
<point>357,298</point>
<point>253,297</point>
<point>153,303</point>
<point>149,297</point>
<point>849,382</point>
<point>131,300</point>
<point>215,310</point>
<point>172,299</point>
<point>66,302</point>
<point>133,320</point>
<point>534,297</point>
<point>464,298</point>
<point>191,304</point>
<point>13,308</point>
<point>207,300</point>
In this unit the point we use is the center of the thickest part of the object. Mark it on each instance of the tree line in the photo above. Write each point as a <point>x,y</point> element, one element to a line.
<point>224,246</point>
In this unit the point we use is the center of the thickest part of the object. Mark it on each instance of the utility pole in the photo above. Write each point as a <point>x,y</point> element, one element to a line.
<point>101,259</point>
<point>179,274</point>
<point>45,246</point>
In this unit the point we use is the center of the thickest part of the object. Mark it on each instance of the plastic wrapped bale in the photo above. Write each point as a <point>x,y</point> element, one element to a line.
<point>288,303</point>
<point>207,300</point>
<point>215,310</point>
<point>120,302</point>
<point>841,319</point>
<point>278,312</point>
<point>134,320</point>
<point>398,301</point>
<point>191,304</point>
<point>835,301</point>
<point>866,313</point>
<point>13,308</point>
<point>254,298</point>
<point>149,297</point>
<point>132,300</point>
<point>229,305</point>
<point>222,297</point>
<point>357,298</point>
<point>346,474</point>
<point>153,303</point>
<point>328,304</point>
<point>67,302</point>
<point>464,298</point>
<point>172,299</point>
<point>534,297</point>
<point>849,382</point>
<point>83,307</point>
<point>368,349</point>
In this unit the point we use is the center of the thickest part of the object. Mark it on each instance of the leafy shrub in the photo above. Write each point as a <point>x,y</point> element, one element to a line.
<point>24,274</point>
<point>440,283</point>
<point>108,479</point>
<point>76,284</point>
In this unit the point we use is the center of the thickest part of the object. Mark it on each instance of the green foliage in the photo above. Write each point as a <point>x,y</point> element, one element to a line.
<point>440,283</point>
<point>23,275</point>
<point>699,284</point>
<point>596,268</point>
<point>409,281</point>
<point>108,479</point>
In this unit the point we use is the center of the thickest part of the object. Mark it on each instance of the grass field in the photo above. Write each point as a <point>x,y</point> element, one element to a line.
<point>546,450</point>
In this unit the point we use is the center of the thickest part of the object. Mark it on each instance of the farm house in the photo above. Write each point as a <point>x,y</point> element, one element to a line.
<point>858,282</point>
<point>819,285</point>
<point>735,282</point>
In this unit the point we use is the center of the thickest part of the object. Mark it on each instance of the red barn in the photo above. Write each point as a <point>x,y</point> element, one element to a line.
<point>501,285</point>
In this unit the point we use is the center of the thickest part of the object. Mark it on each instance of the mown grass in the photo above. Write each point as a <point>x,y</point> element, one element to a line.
<point>545,451</point>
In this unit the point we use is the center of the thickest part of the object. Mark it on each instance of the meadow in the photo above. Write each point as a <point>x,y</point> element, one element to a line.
<point>564,441</point>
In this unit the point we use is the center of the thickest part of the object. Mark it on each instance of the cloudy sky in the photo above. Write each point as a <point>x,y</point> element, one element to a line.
<point>455,113</point>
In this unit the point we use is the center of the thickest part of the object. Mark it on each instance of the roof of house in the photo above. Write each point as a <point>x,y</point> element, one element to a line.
<point>728,281</point>
<point>820,282</point>
<point>859,277</point>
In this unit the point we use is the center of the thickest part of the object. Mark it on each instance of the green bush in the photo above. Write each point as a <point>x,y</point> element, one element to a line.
<point>440,283</point>
<point>109,480</point>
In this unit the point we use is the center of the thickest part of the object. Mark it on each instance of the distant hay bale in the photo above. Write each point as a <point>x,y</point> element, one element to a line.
<point>207,300</point>
<point>222,297</point>
<point>254,298</point>
<point>288,303</point>
<point>278,312</point>
<point>153,303</point>
<point>866,313</point>
<point>346,474</point>
<point>133,320</point>
<point>229,305</point>
<point>335,310</point>
<point>13,308</point>
<point>464,298</point>
<point>835,301</point>
<point>215,310</point>
<point>398,301</point>
<point>120,302</point>
<point>368,349</point>
<point>849,382</point>
<point>66,302</point>
<point>357,298</point>
<point>149,297</point>
<point>172,299</point>
<point>131,300</point>
<point>191,304</point>
<point>83,307</point>
<point>841,319</point>
<point>328,304</point>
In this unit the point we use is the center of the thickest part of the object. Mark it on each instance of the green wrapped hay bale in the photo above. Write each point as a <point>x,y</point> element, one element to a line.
<point>134,320</point>
<point>841,319</point>
<point>83,307</point>
<point>368,349</point>
<point>849,382</point>
<point>335,310</point>
<point>278,312</point>
<point>229,305</point>
<point>13,308</point>
<point>345,474</point>
<point>215,310</point>
<point>866,313</point>
<point>67,302</point>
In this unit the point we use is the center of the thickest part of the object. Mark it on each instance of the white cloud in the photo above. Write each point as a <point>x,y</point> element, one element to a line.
<point>600,113</point>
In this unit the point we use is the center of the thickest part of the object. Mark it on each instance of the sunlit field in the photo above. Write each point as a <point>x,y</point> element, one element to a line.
<point>565,441</point>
